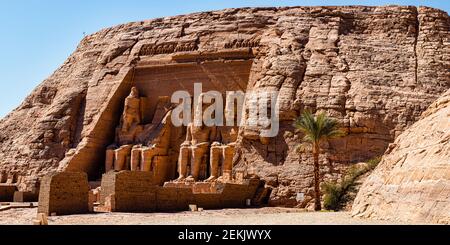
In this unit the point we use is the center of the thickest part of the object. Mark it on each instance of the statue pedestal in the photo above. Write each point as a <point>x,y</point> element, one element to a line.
<point>133,191</point>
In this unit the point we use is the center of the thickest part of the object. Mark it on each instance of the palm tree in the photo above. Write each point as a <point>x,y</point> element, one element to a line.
<point>317,129</point>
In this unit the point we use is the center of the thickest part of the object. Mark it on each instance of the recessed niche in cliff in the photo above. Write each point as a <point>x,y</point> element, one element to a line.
<point>154,86</point>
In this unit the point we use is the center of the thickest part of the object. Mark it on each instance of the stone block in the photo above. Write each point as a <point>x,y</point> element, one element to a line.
<point>135,191</point>
<point>209,201</point>
<point>167,200</point>
<point>129,191</point>
<point>193,208</point>
<point>64,193</point>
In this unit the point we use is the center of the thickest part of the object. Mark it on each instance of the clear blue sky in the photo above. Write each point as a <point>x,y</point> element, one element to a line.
<point>38,35</point>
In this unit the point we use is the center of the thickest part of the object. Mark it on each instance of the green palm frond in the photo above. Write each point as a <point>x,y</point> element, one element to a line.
<point>305,124</point>
<point>317,128</point>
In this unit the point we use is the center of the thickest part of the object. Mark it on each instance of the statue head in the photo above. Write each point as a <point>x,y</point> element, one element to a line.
<point>134,92</point>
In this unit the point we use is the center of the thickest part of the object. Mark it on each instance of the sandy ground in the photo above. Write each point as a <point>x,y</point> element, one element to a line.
<point>262,216</point>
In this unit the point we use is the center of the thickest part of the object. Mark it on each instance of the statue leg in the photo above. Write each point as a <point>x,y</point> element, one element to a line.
<point>135,158</point>
<point>147,156</point>
<point>119,160</point>
<point>197,156</point>
<point>228,154</point>
<point>214,160</point>
<point>121,156</point>
<point>183,161</point>
<point>109,160</point>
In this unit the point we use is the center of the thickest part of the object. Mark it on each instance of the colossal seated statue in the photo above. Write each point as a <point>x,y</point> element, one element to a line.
<point>153,155</point>
<point>194,150</point>
<point>222,153</point>
<point>155,138</point>
<point>141,147</point>
<point>118,156</point>
<point>159,146</point>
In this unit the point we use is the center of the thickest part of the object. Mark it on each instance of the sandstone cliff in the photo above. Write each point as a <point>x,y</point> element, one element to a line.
<point>376,69</point>
<point>412,183</point>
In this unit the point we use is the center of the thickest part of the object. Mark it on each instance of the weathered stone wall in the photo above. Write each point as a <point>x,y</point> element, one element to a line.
<point>374,68</point>
<point>64,193</point>
<point>133,191</point>
<point>412,182</point>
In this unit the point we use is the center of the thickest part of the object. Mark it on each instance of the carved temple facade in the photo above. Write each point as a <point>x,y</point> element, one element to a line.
<point>145,138</point>
<point>182,154</point>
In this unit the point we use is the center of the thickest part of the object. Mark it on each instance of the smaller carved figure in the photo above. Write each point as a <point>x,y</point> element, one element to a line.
<point>132,112</point>
<point>242,43</point>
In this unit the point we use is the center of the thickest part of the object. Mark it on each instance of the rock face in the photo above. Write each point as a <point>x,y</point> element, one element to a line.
<point>412,183</point>
<point>376,69</point>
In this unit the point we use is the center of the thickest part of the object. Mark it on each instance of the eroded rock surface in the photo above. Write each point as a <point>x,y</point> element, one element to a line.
<point>412,183</point>
<point>376,69</point>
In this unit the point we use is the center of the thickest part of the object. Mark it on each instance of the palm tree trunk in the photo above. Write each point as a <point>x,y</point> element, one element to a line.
<point>317,204</point>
